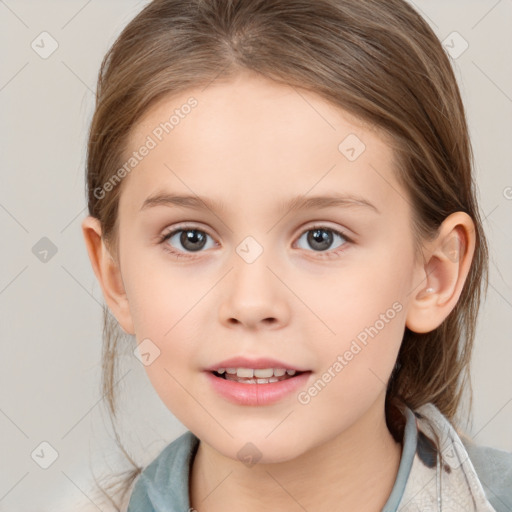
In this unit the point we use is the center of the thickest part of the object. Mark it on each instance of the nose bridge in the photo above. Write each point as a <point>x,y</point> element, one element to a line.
<point>252,276</point>
<point>255,294</point>
<point>250,250</point>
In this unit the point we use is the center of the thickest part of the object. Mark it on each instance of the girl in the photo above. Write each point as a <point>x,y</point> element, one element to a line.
<point>283,215</point>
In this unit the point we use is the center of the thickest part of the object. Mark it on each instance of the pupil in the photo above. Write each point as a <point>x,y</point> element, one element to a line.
<point>320,236</point>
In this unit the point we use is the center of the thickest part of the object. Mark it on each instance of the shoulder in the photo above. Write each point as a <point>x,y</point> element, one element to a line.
<point>489,467</point>
<point>165,479</point>
<point>494,470</point>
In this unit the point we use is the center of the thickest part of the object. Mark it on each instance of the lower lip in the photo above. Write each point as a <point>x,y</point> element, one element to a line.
<point>257,394</point>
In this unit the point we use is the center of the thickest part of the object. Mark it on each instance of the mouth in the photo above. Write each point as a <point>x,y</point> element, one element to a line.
<point>256,387</point>
<point>256,376</point>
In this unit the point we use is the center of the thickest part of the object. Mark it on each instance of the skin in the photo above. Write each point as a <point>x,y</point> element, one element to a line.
<point>253,143</point>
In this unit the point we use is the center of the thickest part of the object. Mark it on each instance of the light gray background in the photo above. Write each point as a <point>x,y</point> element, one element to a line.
<point>51,311</point>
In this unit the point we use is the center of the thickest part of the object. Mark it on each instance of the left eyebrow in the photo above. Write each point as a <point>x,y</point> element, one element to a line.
<point>292,205</point>
<point>340,200</point>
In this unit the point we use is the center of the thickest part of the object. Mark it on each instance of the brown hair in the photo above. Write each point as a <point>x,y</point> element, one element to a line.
<point>381,62</point>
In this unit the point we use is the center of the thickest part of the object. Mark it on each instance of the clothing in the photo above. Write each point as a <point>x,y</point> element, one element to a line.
<point>422,484</point>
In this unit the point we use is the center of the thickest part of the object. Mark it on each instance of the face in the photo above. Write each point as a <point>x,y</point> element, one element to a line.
<point>322,287</point>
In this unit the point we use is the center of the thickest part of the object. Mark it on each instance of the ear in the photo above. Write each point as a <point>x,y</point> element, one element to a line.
<point>446,264</point>
<point>108,273</point>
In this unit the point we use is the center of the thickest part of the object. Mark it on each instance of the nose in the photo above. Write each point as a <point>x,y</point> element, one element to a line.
<point>253,296</point>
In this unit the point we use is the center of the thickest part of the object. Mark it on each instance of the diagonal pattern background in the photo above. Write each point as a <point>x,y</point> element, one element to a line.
<point>51,409</point>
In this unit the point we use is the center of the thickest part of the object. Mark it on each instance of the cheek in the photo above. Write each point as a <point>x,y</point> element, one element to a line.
<point>174,343</point>
<point>165,305</point>
<point>357,361</point>
<point>365,308</point>
<point>356,296</point>
<point>169,379</point>
<point>161,295</point>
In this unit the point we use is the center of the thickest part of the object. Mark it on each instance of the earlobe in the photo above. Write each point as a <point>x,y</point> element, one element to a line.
<point>108,273</point>
<point>443,274</point>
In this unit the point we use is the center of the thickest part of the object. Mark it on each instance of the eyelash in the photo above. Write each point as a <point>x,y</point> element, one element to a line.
<point>180,254</point>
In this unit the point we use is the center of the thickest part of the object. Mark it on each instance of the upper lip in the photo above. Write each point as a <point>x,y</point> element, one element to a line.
<point>245,362</point>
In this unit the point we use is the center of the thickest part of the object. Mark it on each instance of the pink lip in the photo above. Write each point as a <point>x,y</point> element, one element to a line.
<point>257,394</point>
<point>245,362</point>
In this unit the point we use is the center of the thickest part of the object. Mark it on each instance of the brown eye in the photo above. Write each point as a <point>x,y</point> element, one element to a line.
<point>320,238</point>
<point>185,240</point>
<point>192,239</point>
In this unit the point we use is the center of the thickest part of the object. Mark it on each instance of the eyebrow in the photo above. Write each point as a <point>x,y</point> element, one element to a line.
<point>295,204</point>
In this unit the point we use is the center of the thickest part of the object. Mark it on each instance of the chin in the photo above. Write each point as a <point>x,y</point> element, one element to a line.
<point>258,450</point>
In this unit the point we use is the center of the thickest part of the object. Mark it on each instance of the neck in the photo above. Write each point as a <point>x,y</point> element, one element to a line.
<point>355,470</point>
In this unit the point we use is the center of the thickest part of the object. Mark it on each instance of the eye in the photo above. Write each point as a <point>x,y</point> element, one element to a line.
<point>320,238</point>
<point>190,239</point>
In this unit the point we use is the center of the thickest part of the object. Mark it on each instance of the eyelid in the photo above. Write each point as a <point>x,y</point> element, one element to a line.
<point>184,226</point>
<point>307,227</point>
<point>169,233</point>
<point>327,225</point>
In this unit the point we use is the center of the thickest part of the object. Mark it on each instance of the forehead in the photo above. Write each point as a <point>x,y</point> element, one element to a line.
<point>252,139</point>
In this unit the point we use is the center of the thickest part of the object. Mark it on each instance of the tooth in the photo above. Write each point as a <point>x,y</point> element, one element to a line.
<point>273,379</point>
<point>262,381</point>
<point>261,373</point>
<point>234,378</point>
<point>245,372</point>
<point>264,372</point>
